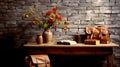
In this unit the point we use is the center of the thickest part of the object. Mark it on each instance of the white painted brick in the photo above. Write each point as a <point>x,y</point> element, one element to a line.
<point>69,1</point>
<point>112,1</point>
<point>109,4</point>
<point>104,15</point>
<point>105,11</point>
<point>115,11</point>
<point>97,4</point>
<point>44,1</point>
<point>59,30</point>
<point>81,31</point>
<point>117,1</point>
<point>108,22</point>
<point>73,30</point>
<point>115,8</point>
<point>99,23</point>
<point>80,8</point>
<point>118,15</point>
<point>117,18</point>
<point>72,26</point>
<point>100,0</point>
<point>88,0</point>
<point>76,17</point>
<point>105,8</point>
<point>85,4</point>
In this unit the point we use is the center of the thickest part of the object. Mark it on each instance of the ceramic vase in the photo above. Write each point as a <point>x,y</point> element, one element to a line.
<point>39,39</point>
<point>47,35</point>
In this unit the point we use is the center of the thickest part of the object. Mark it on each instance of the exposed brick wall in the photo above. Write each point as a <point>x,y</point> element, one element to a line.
<point>79,12</point>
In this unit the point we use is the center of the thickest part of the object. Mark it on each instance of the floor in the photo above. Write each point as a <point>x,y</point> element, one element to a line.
<point>77,61</point>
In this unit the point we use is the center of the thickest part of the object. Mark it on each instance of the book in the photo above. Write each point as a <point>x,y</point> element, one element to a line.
<point>92,41</point>
<point>66,42</point>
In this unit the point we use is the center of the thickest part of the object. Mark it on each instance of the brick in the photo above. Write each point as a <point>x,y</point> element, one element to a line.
<point>72,26</point>
<point>55,1</point>
<point>72,4</point>
<point>59,30</point>
<point>104,15</point>
<point>44,1</point>
<point>76,17</point>
<point>105,8</point>
<point>115,11</point>
<point>77,22</point>
<point>71,33</point>
<point>88,0</point>
<point>80,8</point>
<point>100,0</point>
<point>108,22</point>
<point>72,12</point>
<point>97,4</point>
<point>73,30</point>
<point>71,1</point>
<point>117,1</point>
<point>81,31</point>
<point>85,4</point>
<point>99,23</point>
<point>115,8</point>
<point>117,18</point>
<point>93,8</point>
<point>105,11</point>
<point>112,1</point>
<point>82,1</point>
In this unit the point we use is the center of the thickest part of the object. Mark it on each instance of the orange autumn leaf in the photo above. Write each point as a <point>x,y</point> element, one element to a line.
<point>66,22</point>
<point>54,10</point>
<point>37,19</point>
<point>51,20</point>
<point>65,28</point>
<point>34,22</point>
<point>58,17</point>
<point>48,12</point>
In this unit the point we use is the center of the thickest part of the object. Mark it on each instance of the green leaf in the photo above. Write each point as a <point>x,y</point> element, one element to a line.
<point>43,25</point>
<point>40,25</point>
<point>46,25</point>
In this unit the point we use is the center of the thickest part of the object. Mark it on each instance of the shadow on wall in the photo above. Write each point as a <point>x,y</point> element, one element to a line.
<point>13,38</point>
<point>7,41</point>
<point>12,33</point>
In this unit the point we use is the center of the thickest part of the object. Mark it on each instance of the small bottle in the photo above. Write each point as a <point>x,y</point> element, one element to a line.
<point>39,39</point>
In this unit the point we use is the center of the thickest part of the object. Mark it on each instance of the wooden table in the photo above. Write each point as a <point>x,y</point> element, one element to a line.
<point>77,49</point>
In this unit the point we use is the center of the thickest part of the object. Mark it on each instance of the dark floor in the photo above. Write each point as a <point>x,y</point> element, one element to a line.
<point>11,59</point>
<point>77,61</point>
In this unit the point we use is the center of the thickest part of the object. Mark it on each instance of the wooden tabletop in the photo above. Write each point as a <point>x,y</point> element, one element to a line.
<point>31,44</point>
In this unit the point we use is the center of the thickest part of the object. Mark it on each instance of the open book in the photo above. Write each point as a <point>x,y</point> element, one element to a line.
<point>66,42</point>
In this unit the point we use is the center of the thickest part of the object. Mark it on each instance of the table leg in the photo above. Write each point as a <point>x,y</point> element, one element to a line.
<point>110,61</point>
